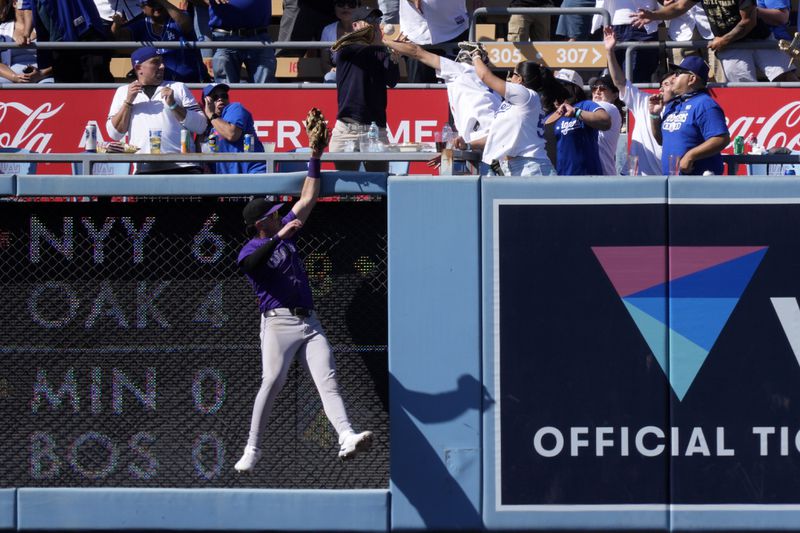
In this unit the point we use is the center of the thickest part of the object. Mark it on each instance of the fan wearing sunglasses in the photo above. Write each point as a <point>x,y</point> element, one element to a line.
<point>516,138</point>
<point>231,122</point>
<point>335,31</point>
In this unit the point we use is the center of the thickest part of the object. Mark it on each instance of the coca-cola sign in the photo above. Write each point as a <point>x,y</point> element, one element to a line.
<point>53,120</point>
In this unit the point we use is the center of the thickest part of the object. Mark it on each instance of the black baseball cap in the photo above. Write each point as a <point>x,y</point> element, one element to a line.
<point>365,12</point>
<point>258,208</point>
<point>605,81</point>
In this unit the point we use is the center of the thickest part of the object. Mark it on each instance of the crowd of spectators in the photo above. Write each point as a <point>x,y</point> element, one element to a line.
<point>437,25</point>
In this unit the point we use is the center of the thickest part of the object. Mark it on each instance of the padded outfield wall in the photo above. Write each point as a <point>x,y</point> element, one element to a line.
<point>559,353</point>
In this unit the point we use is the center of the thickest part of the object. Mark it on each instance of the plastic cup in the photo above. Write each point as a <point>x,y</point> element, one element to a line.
<point>633,165</point>
<point>155,141</point>
<point>674,165</point>
<point>269,146</point>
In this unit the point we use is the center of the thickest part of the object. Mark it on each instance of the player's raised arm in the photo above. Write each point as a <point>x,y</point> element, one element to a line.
<point>318,137</point>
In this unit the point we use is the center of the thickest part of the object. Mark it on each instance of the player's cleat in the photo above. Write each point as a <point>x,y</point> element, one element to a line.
<point>354,443</point>
<point>249,459</point>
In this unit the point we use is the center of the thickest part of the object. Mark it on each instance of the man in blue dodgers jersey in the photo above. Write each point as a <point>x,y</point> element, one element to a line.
<point>231,122</point>
<point>576,123</point>
<point>289,325</point>
<point>691,125</point>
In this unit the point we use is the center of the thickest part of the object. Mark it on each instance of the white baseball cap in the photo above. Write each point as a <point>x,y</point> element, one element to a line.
<point>571,76</point>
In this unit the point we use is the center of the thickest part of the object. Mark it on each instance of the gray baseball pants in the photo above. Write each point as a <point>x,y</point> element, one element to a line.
<point>282,338</point>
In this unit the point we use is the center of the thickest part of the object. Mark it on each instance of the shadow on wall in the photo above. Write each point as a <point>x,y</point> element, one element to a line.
<point>431,478</point>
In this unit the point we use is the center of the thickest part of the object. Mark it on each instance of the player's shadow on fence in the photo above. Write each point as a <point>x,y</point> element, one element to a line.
<point>424,474</point>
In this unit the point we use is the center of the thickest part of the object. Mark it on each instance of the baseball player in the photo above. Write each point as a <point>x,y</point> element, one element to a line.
<point>289,325</point>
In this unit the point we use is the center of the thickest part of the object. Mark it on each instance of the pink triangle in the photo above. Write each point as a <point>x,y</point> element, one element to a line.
<point>685,260</point>
<point>633,268</point>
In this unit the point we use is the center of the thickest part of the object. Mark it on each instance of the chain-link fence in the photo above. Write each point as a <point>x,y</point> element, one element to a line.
<point>131,356</point>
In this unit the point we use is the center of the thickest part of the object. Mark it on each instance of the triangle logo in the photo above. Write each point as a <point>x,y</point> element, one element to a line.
<point>680,298</point>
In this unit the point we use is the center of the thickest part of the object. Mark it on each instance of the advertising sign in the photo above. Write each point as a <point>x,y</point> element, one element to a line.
<point>53,120</point>
<point>645,353</point>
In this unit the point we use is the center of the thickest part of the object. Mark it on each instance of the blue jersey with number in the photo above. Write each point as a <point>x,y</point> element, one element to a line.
<point>688,121</point>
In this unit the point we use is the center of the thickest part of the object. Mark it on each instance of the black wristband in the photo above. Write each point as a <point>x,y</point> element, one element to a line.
<point>212,117</point>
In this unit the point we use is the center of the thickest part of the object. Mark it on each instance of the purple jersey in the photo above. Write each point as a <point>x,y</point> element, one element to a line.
<point>283,281</point>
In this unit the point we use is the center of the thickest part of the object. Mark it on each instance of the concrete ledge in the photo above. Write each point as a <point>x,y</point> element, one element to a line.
<point>197,184</point>
<point>8,508</point>
<point>7,185</point>
<point>203,509</point>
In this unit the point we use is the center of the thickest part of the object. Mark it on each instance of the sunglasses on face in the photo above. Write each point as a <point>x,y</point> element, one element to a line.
<point>218,96</point>
<point>351,4</point>
<point>599,88</point>
<point>511,75</point>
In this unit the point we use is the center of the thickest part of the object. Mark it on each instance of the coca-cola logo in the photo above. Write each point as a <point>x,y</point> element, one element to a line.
<point>22,126</point>
<point>775,130</point>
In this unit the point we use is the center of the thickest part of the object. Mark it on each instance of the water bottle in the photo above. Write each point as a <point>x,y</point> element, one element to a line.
<point>373,136</point>
<point>447,136</point>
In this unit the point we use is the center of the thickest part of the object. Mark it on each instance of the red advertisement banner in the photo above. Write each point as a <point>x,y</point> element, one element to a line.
<point>54,120</point>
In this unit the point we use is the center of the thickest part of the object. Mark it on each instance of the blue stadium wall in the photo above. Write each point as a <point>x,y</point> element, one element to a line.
<point>570,354</point>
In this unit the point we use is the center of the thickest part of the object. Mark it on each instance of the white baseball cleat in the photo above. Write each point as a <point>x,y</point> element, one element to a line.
<point>354,443</point>
<point>249,459</point>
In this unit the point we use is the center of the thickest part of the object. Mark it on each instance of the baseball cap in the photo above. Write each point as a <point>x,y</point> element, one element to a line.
<point>211,86</point>
<point>695,65</point>
<point>570,76</point>
<point>365,12</point>
<point>141,55</point>
<point>605,81</point>
<point>258,208</point>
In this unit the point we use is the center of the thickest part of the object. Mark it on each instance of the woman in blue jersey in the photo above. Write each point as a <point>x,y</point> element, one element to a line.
<point>577,120</point>
<point>516,137</point>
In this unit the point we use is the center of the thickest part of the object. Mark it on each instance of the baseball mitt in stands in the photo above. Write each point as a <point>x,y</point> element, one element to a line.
<point>363,36</point>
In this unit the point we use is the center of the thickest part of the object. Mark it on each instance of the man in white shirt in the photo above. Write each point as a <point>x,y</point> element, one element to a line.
<point>643,143</point>
<point>150,104</point>
<point>432,22</point>
<point>605,94</point>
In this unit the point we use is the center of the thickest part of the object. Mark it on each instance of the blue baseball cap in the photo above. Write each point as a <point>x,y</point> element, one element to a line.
<point>143,54</point>
<point>696,66</point>
<point>211,86</point>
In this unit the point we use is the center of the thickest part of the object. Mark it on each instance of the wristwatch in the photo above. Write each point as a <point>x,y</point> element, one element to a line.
<point>213,116</point>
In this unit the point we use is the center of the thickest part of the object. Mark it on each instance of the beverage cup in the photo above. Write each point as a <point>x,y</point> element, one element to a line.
<point>155,141</point>
<point>269,146</point>
<point>350,145</point>
<point>674,165</point>
<point>440,143</point>
<point>363,142</point>
<point>633,165</point>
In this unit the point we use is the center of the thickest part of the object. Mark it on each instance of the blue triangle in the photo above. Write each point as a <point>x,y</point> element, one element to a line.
<point>656,291</point>
<point>685,360</point>
<point>655,307</point>
<point>726,280</point>
<point>700,319</point>
<point>653,331</point>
